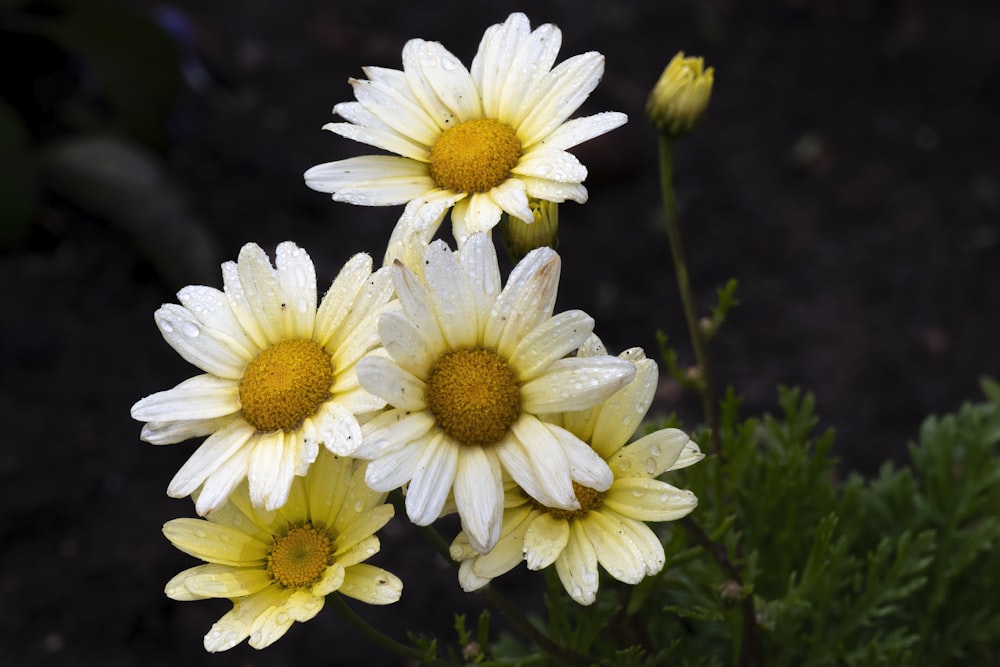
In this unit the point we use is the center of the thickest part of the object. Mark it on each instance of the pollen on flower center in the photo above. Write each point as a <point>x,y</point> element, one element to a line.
<point>474,395</point>
<point>285,383</point>
<point>474,156</point>
<point>588,498</point>
<point>300,557</point>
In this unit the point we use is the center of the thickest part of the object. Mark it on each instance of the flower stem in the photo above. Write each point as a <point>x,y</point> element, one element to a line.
<point>698,342</point>
<point>377,637</point>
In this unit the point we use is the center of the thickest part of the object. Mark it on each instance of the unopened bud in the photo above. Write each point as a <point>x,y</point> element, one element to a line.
<point>522,237</point>
<point>681,95</point>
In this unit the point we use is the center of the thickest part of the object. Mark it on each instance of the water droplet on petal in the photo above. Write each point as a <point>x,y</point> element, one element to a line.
<point>191,330</point>
<point>166,326</point>
<point>359,505</point>
<point>650,465</point>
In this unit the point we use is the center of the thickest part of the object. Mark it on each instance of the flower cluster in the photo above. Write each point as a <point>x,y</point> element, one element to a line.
<point>431,374</point>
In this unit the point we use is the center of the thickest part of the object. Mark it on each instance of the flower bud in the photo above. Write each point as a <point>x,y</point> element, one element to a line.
<point>522,237</point>
<point>681,95</point>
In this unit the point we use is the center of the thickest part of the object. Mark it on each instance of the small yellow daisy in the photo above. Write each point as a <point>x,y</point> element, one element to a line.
<point>479,141</point>
<point>277,567</point>
<point>280,374</point>
<point>609,526</point>
<point>466,368</point>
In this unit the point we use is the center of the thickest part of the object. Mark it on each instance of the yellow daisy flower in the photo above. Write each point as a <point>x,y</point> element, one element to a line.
<point>478,141</point>
<point>466,368</point>
<point>609,526</point>
<point>277,567</point>
<point>280,374</point>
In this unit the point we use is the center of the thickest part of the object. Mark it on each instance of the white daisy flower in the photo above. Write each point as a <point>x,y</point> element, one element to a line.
<point>466,368</point>
<point>278,567</point>
<point>609,526</point>
<point>478,141</point>
<point>280,374</point>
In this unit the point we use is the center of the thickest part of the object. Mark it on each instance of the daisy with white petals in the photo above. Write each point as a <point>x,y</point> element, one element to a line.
<point>466,368</point>
<point>609,526</point>
<point>279,373</point>
<point>479,141</point>
<point>278,567</point>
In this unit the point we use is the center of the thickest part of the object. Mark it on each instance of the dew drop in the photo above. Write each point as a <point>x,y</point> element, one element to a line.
<point>650,465</point>
<point>359,505</point>
<point>191,330</point>
<point>166,326</point>
<point>655,450</point>
<point>199,532</point>
<point>281,619</point>
<point>577,592</point>
<point>255,636</point>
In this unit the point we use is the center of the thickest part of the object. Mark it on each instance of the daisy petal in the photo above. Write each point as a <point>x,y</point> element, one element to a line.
<point>575,383</point>
<point>201,397</point>
<point>614,549</point>
<point>432,480</point>
<point>559,94</point>
<point>578,130</point>
<point>551,340</point>
<point>441,83</point>
<point>647,499</point>
<point>577,566</point>
<point>371,584</point>
<point>545,540</point>
<point>396,468</point>
<point>210,350</point>
<point>385,379</point>
<point>551,164</point>
<point>210,455</point>
<point>651,455</point>
<point>371,180</point>
<point>479,496</point>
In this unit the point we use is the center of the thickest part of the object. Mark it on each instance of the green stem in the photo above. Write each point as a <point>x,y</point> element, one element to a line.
<point>698,342</point>
<point>377,637</point>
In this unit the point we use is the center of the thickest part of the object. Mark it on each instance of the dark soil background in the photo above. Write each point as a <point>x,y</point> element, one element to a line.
<point>846,174</point>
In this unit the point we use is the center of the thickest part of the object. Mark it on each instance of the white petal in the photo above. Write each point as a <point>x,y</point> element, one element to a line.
<point>386,94</point>
<point>265,467</point>
<point>478,213</point>
<point>441,83</point>
<point>237,298</point>
<point>454,307</point>
<point>478,257</point>
<point>404,343</point>
<point>385,379</point>
<point>371,584</point>
<point>211,307</point>
<point>614,548</point>
<point>198,398</point>
<point>549,190</point>
<point>551,164</point>
<point>337,429</point>
<point>220,484</point>
<point>651,455</point>
<point>575,384</point>
<point>209,349</point>
<point>379,137</point>
<point>620,416</point>
<point>535,459</point>
<point>213,453</point>
<point>492,65</point>
<point>392,430</point>
<point>394,469</point>
<point>509,550</point>
<point>577,566</point>
<point>170,432</point>
<point>586,466</point>
<point>297,281</point>
<point>526,300</point>
<point>432,481</point>
<point>545,540</point>
<point>372,180</point>
<point>578,130</point>
<point>479,496</point>
<point>263,294</point>
<point>559,94</point>
<point>646,499</point>
<point>512,197</point>
<point>417,303</point>
<point>550,341</point>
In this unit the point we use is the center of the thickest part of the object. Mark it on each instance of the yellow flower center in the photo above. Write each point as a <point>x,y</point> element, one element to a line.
<point>474,395</point>
<point>300,557</point>
<point>588,498</point>
<point>286,383</point>
<point>474,156</point>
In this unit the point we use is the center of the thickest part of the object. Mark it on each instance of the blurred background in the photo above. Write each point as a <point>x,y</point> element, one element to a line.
<point>845,174</point>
